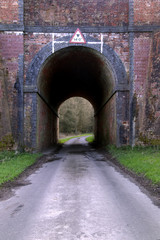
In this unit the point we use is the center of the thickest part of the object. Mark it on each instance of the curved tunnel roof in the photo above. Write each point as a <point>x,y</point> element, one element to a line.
<point>76,71</point>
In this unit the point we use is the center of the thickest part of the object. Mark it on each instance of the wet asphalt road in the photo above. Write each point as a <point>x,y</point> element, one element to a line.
<point>79,196</point>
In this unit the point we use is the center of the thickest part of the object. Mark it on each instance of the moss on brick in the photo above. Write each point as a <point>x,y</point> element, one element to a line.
<point>6,142</point>
<point>148,140</point>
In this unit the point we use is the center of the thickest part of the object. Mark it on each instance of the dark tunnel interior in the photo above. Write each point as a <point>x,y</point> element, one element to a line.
<point>69,72</point>
<point>75,71</point>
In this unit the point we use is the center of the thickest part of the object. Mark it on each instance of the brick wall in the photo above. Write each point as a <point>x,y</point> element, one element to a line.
<point>120,44</point>
<point>28,102</point>
<point>33,42</point>
<point>152,122</point>
<point>9,11</point>
<point>46,125</point>
<point>146,86</point>
<point>105,126</point>
<point>76,12</point>
<point>11,46</point>
<point>5,124</point>
<point>146,12</point>
<point>142,52</point>
<point>66,14</point>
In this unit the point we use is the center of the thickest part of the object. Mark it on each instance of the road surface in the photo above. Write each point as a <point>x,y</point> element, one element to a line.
<point>78,196</point>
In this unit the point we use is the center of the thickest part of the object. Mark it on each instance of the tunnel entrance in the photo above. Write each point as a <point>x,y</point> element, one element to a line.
<point>76,117</point>
<point>84,72</point>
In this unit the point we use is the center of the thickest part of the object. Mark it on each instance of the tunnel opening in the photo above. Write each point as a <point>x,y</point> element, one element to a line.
<point>75,71</point>
<point>84,72</point>
<point>76,117</point>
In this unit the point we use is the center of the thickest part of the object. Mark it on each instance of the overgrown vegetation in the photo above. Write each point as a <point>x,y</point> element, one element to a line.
<point>141,160</point>
<point>12,164</point>
<point>76,116</point>
<point>63,140</point>
<point>90,139</point>
<point>149,141</point>
<point>7,142</point>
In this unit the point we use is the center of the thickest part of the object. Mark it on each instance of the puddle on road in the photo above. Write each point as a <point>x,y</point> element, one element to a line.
<point>77,152</point>
<point>18,209</point>
<point>52,158</point>
<point>101,160</point>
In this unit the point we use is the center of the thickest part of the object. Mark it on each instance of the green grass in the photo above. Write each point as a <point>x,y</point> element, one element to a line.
<point>141,160</point>
<point>90,139</point>
<point>63,140</point>
<point>12,165</point>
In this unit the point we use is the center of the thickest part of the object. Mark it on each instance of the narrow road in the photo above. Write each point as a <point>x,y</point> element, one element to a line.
<point>79,196</point>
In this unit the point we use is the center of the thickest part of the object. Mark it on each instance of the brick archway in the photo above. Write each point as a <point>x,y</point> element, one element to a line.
<point>113,110</point>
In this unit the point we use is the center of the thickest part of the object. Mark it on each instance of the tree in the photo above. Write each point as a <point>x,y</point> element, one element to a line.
<point>76,116</point>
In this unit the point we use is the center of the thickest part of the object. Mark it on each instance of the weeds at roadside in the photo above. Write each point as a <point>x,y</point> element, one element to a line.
<point>12,164</point>
<point>141,160</point>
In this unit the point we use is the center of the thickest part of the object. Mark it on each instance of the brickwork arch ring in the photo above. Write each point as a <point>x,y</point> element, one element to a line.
<point>113,61</point>
<point>119,92</point>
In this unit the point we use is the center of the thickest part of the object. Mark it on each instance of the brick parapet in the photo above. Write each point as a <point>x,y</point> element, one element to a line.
<point>77,13</point>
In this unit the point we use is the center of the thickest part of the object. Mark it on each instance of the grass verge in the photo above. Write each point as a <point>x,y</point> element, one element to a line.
<point>63,140</point>
<point>141,160</point>
<point>12,164</point>
<point>90,139</point>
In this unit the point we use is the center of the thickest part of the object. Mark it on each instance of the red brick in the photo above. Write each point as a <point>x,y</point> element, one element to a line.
<point>146,12</point>
<point>79,13</point>
<point>9,11</point>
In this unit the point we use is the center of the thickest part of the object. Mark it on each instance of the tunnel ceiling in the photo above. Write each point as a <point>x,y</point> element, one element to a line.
<point>75,71</point>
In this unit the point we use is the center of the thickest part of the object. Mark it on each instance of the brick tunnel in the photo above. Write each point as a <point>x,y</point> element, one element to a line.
<point>73,71</point>
<point>84,72</point>
<point>76,71</point>
<point>119,57</point>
